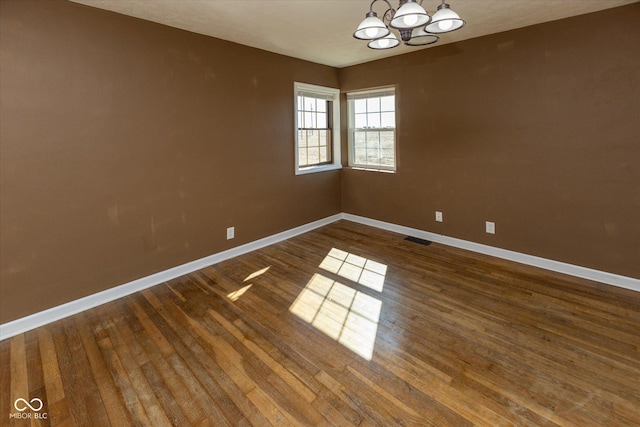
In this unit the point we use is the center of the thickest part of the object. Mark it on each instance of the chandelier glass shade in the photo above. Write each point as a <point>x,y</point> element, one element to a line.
<point>386,42</point>
<point>419,37</point>
<point>444,20</point>
<point>409,15</point>
<point>414,24</point>
<point>371,28</point>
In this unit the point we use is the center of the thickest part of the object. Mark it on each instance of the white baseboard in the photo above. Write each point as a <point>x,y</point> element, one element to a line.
<point>547,264</point>
<point>42,318</point>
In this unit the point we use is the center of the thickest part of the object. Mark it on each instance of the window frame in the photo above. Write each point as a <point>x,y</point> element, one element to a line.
<point>378,92</point>
<point>332,95</point>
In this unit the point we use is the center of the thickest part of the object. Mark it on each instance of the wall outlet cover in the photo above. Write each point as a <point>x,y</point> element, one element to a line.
<point>491,227</point>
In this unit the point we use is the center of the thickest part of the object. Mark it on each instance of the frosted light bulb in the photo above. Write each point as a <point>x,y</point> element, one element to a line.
<point>383,43</point>
<point>410,20</point>
<point>445,25</point>
<point>371,32</point>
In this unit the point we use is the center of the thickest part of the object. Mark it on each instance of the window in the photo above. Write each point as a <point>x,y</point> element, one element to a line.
<point>317,128</point>
<point>372,129</point>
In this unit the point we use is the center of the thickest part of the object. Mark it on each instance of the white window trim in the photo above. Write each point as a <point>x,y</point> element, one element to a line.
<point>363,94</point>
<point>334,94</point>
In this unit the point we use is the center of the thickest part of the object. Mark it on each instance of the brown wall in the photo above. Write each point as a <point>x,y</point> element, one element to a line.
<point>128,147</point>
<point>537,129</point>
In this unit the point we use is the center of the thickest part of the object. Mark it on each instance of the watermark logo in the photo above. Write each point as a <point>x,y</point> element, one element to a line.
<point>34,404</point>
<point>21,404</point>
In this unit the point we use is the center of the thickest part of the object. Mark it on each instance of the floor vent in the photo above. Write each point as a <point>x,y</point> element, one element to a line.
<point>417,240</point>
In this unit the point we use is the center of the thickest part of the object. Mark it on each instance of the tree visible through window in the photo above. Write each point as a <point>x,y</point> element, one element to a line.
<point>372,123</point>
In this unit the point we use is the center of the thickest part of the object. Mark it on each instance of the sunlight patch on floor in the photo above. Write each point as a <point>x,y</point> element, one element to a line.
<point>341,312</point>
<point>257,273</point>
<point>355,268</point>
<point>235,295</point>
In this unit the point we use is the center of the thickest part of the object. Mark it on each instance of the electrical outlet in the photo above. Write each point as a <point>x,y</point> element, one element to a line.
<point>231,232</point>
<point>491,227</point>
<point>438,216</point>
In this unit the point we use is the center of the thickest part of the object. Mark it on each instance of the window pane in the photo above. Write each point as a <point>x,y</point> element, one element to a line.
<point>388,120</point>
<point>361,121</point>
<point>302,157</point>
<point>300,103</point>
<point>387,149</point>
<point>360,106</point>
<point>322,120</point>
<point>387,140</point>
<point>322,105</point>
<point>309,104</point>
<point>373,140</point>
<point>324,154</point>
<point>313,155</point>
<point>388,157</point>
<point>388,103</point>
<point>373,120</point>
<point>302,138</point>
<point>308,120</point>
<point>373,104</point>
<point>359,147</point>
<point>373,148</point>
<point>312,138</point>
<point>325,137</point>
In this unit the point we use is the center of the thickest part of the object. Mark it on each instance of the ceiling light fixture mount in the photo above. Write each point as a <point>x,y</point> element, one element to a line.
<point>414,24</point>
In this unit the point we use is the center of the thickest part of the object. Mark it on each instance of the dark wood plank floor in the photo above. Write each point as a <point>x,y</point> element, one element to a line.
<point>348,326</point>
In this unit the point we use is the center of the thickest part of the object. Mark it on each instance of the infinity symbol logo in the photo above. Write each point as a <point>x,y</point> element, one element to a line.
<point>23,408</point>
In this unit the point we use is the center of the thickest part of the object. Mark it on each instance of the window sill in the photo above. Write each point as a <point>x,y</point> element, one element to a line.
<point>314,169</point>
<point>359,168</point>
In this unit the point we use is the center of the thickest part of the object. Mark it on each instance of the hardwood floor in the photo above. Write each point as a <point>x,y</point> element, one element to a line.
<point>348,326</point>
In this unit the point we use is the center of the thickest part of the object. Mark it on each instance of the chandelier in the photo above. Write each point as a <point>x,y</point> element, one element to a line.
<point>414,24</point>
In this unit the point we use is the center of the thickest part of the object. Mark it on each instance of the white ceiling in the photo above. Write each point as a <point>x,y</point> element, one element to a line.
<point>321,30</point>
